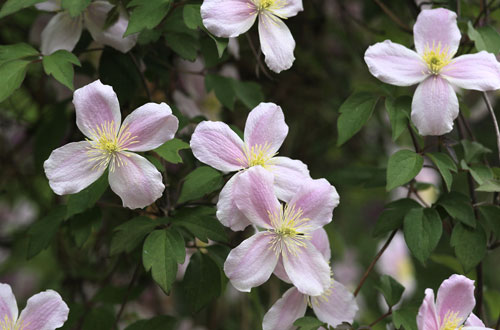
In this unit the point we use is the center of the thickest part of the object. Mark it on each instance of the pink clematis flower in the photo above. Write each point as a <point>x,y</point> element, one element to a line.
<point>230,18</point>
<point>433,68</point>
<point>286,234</point>
<point>217,145</point>
<point>336,305</point>
<point>453,307</point>
<point>64,31</point>
<point>76,165</point>
<point>44,311</point>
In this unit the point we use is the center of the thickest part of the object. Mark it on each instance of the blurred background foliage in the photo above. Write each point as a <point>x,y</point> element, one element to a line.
<point>71,244</point>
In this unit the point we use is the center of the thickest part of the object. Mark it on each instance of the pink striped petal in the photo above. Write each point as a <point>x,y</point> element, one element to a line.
<point>215,144</point>
<point>44,311</point>
<point>62,32</point>
<point>427,318</point>
<point>321,242</point>
<point>455,295</point>
<point>289,175</point>
<point>287,8</point>
<point>474,321</point>
<point>276,41</point>
<point>8,304</point>
<point>317,199</point>
<point>95,105</point>
<point>136,181</point>
<point>95,20</point>
<point>307,269</point>
<point>251,263</point>
<point>70,168</point>
<point>228,18</point>
<point>479,71</point>
<point>227,211</point>
<point>280,271</point>
<point>49,5</point>
<point>434,107</point>
<point>291,306</point>
<point>395,64</point>
<point>152,124</point>
<point>266,126</point>
<point>337,305</point>
<point>254,195</point>
<point>434,27</point>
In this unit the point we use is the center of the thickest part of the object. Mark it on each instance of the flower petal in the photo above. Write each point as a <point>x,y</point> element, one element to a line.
<point>474,321</point>
<point>280,271</point>
<point>289,175</point>
<point>479,71</point>
<point>227,211</point>
<point>337,305</point>
<point>70,168</point>
<point>317,199</point>
<point>434,27</point>
<point>62,32</point>
<point>186,105</point>
<point>228,18</point>
<point>434,106</point>
<point>455,295</point>
<point>153,124</point>
<point>95,19</point>
<point>136,181</point>
<point>427,318</point>
<point>254,195</point>
<point>266,126</point>
<point>395,64</point>
<point>8,303</point>
<point>291,306</point>
<point>95,105</point>
<point>215,144</point>
<point>319,239</point>
<point>286,8</point>
<point>251,263</point>
<point>49,5</point>
<point>276,41</point>
<point>44,311</point>
<point>307,269</point>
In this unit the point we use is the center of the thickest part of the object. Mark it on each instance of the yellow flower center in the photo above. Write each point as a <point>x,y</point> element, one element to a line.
<point>290,230</point>
<point>437,57</point>
<point>257,155</point>
<point>264,4</point>
<point>106,145</point>
<point>451,321</point>
<point>270,6</point>
<point>324,297</point>
<point>8,324</point>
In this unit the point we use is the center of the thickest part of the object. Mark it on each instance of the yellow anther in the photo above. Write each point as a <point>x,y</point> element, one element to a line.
<point>257,155</point>
<point>451,321</point>
<point>7,324</point>
<point>437,57</point>
<point>290,230</point>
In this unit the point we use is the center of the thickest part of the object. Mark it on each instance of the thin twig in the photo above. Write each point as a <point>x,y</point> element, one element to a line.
<point>257,58</point>
<point>414,139</point>
<point>143,78</point>
<point>370,268</point>
<point>389,312</point>
<point>495,123</point>
<point>393,17</point>
<point>127,294</point>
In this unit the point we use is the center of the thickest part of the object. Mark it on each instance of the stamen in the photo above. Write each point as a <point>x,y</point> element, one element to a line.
<point>451,321</point>
<point>324,297</point>
<point>268,6</point>
<point>257,155</point>
<point>436,57</point>
<point>7,324</point>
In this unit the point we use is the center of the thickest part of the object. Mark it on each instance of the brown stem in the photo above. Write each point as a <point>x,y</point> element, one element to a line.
<point>370,268</point>
<point>143,78</point>
<point>393,17</point>
<point>258,59</point>
<point>414,139</point>
<point>127,294</point>
<point>494,118</point>
<point>389,312</point>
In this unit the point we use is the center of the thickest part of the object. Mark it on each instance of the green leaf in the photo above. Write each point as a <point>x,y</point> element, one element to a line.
<point>17,51</point>
<point>170,150</point>
<point>485,38</point>
<point>75,7</point>
<point>12,6</point>
<point>147,14</point>
<point>391,289</point>
<point>220,43</point>
<point>130,234</point>
<point>50,133</point>
<point>445,165</point>
<point>223,88</point>
<point>403,166</point>
<point>470,245</point>
<point>12,74</point>
<point>449,261</point>
<point>458,207</point>
<point>43,231</point>
<point>393,215</point>
<point>83,224</point>
<point>399,113</point>
<point>248,92</point>
<point>86,199</point>
<point>200,221</point>
<point>473,150</point>
<point>489,186</point>
<point>354,113</point>
<point>491,216</point>
<point>481,173</point>
<point>163,322</point>
<point>192,16</point>
<point>492,298</point>
<point>202,181</point>
<point>422,231</point>
<point>201,282</point>
<point>406,318</point>
<point>60,66</point>
<point>185,45</point>
<point>308,323</point>
<point>160,253</point>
